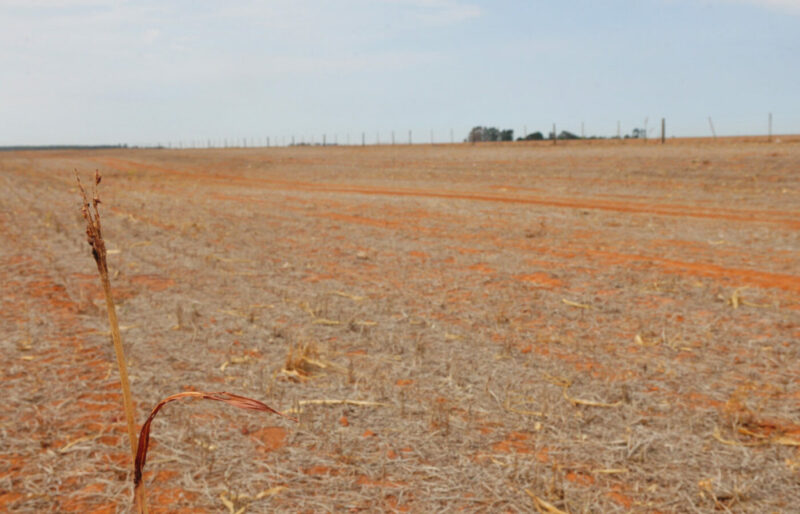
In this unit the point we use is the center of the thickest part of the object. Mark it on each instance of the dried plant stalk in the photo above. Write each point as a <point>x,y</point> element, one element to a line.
<point>139,450</point>
<point>95,238</point>
<point>229,398</point>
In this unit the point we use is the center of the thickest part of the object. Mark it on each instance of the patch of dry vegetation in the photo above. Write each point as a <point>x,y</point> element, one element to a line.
<point>440,352</point>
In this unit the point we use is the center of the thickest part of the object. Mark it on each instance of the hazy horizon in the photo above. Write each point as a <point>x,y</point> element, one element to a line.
<point>143,73</point>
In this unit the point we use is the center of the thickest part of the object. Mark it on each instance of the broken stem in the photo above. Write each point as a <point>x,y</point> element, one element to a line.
<point>95,239</point>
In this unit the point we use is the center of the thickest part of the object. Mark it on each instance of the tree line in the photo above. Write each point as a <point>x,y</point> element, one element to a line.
<point>479,134</point>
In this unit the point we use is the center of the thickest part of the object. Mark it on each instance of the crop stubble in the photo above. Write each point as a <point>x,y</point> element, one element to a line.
<point>594,327</point>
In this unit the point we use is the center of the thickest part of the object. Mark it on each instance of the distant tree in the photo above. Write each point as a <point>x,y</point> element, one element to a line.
<point>475,135</point>
<point>535,136</point>
<point>638,133</point>
<point>489,134</point>
<point>567,135</point>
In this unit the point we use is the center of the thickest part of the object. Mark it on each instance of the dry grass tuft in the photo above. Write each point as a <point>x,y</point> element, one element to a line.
<point>304,361</point>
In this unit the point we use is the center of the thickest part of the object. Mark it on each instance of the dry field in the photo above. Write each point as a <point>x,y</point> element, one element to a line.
<point>597,327</point>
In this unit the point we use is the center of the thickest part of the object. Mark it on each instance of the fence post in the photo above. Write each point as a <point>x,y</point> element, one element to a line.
<point>711,124</point>
<point>663,130</point>
<point>769,128</point>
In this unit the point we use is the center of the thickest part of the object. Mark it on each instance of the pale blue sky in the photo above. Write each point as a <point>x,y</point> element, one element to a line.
<point>142,72</point>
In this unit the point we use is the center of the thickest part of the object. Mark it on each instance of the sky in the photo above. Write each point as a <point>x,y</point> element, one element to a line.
<point>195,71</point>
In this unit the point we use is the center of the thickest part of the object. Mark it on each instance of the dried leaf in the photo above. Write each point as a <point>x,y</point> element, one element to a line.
<point>576,304</point>
<point>355,403</point>
<point>785,441</point>
<point>641,342</point>
<point>324,321</point>
<point>229,398</point>
<point>735,299</point>
<point>611,471</point>
<point>718,436</point>
<point>544,506</point>
<point>353,297</point>
<point>225,501</point>
<point>272,491</point>
<point>588,403</point>
<point>235,360</point>
<point>66,447</point>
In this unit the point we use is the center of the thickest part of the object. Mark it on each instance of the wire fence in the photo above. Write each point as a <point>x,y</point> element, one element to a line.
<point>647,128</point>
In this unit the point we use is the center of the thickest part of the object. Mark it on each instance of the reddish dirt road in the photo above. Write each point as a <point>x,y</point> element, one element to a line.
<point>604,327</point>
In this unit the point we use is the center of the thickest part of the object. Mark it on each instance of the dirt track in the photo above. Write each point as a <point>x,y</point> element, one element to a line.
<point>605,327</point>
